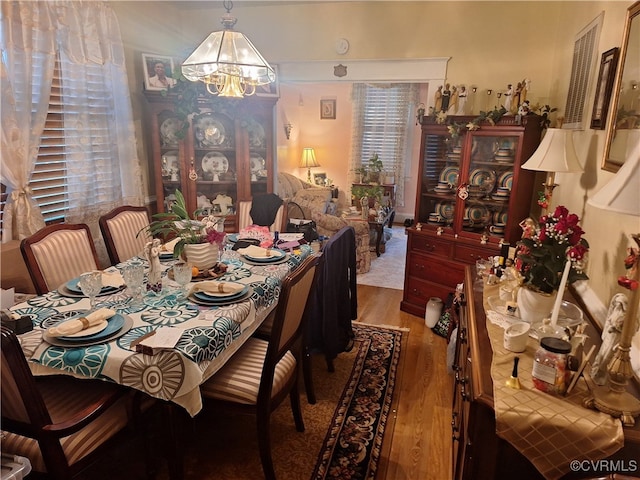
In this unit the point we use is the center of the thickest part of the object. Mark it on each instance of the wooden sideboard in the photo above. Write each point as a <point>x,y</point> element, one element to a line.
<point>478,453</point>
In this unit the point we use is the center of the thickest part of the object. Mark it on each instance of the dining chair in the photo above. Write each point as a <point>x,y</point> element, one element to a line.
<point>58,253</point>
<point>263,373</point>
<point>123,232</point>
<point>60,423</point>
<point>263,206</point>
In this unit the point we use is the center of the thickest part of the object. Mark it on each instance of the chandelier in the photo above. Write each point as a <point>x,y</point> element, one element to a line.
<point>227,62</point>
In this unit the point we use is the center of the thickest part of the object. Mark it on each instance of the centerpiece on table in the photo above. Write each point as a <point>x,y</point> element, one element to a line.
<point>199,238</point>
<point>542,255</point>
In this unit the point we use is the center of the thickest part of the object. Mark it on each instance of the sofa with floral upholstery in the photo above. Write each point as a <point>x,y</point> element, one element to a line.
<point>318,205</point>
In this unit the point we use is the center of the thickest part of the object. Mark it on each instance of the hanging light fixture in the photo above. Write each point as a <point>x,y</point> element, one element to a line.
<point>227,62</point>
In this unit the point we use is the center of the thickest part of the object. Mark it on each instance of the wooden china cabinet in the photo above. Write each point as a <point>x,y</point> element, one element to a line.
<point>227,150</point>
<point>471,196</point>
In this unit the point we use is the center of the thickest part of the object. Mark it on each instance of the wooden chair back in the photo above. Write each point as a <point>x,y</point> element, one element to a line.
<point>58,422</point>
<point>123,232</point>
<point>58,253</point>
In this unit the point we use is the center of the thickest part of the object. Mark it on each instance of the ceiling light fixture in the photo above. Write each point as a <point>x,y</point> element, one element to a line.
<point>227,62</point>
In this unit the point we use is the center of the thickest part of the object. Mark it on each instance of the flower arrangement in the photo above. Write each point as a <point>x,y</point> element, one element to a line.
<point>188,229</point>
<point>544,249</point>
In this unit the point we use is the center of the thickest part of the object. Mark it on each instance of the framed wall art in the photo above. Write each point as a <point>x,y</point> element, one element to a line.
<point>158,72</point>
<point>608,65</point>
<point>328,109</point>
<point>320,178</point>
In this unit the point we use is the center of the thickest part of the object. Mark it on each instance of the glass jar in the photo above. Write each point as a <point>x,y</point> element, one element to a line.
<point>550,371</point>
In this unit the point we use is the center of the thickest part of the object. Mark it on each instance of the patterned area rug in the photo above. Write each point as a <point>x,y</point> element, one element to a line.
<point>353,444</point>
<point>344,430</point>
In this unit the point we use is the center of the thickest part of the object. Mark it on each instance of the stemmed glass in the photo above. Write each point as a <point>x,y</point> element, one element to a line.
<point>133,275</point>
<point>91,284</point>
<point>182,276</point>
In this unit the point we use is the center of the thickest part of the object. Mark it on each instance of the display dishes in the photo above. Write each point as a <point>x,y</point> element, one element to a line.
<point>506,180</point>
<point>209,131</point>
<point>450,175</point>
<point>168,131</point>
<point>202,298</point>
<point>485,179</point>
<point>214,163</point>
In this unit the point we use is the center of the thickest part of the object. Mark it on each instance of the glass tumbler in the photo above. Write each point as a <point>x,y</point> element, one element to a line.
<point>133,275</point>
<point>182,275</point>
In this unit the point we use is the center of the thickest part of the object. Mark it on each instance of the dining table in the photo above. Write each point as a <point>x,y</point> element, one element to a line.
<point>211,332</point>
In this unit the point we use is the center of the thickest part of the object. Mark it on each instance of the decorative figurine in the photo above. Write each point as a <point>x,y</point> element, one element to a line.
<point>462,100</point>
<point>610,337</point>
<point>152,254</point>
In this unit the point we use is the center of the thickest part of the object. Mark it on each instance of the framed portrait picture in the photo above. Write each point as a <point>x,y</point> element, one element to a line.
<point>271,89</point>
<point>158,72</point>
<point>320,178</point>
<point>328,109</point>
<point>608,65</point>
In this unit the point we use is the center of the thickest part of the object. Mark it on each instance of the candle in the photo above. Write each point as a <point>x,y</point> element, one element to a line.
<point>563,284</point>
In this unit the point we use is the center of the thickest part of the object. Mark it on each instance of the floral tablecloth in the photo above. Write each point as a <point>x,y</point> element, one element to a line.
<point>210,334</point>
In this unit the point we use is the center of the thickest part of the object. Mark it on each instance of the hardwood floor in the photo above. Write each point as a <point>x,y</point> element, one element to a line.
<point>421,438</point>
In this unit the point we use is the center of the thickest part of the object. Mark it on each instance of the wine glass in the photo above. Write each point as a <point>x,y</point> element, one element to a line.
<point>133,275</point>
<point>182,276</point>
<point>91,284</point>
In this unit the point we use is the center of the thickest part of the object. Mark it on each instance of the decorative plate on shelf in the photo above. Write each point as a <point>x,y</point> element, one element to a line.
<point>485,179</point>
<point>209,131</point>
<point>476,213</point>
<point>450,175</point>
<point>445,210</point>
<point>506,180</point>
<point>215,163</point>
<point>500,217</point>
<point>257,163</point>
<point>168,130</point>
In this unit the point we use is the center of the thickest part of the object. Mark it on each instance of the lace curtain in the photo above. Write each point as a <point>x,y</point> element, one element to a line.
<point>86,36</point>
<point>389,135</point>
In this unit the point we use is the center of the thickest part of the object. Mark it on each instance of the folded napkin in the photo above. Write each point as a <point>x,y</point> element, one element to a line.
<point>169,246</point>
<point>76,325</point>
<point>112,279</point>
<point>257,252</point>
<point>216,288</point>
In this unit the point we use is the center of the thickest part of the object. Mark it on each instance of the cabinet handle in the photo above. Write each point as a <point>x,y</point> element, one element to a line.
<point>463,335</point>
<point>429,247</point>
<point>454,425</point>
<point>419,266</point>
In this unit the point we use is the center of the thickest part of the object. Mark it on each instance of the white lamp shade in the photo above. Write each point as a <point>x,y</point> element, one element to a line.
<point>308,158</point>
<point>555,153</point>
<point>622,193</point>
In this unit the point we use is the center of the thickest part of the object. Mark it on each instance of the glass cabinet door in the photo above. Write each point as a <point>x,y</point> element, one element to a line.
<point>489,184</point>
<point>214,160</point>
<point>171,167</point>
<point>440,177</point>
<point>257,156</point>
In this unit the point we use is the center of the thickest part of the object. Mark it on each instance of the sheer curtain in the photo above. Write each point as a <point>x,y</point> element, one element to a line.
<point>28,58</point>
<point>103,170</point>
<point>382,123</point>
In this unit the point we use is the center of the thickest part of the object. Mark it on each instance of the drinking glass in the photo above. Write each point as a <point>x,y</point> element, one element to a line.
<point>91,284</point>
<point>133,275</point>
<point>182,276</point>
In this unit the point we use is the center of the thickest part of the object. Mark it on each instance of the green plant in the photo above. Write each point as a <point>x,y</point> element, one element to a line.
<point>188,229</point>
<point>373,191</point>
<point>544,249</point>
<point>375,164</point>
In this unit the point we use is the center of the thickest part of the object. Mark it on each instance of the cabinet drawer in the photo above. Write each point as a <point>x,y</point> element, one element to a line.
<point>435,270</point>
<point>430,245</point>
<point>418,292</point>
<point>470,253</point>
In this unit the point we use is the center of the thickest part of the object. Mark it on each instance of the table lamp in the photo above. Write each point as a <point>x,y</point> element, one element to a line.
<point>554,154</point>
<point>622,195</point>
<point>308,161</point>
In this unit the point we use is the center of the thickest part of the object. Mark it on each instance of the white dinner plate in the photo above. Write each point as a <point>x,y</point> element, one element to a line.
<point>215,162</point>
<point>210,131</point>
<point>168,130</point>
